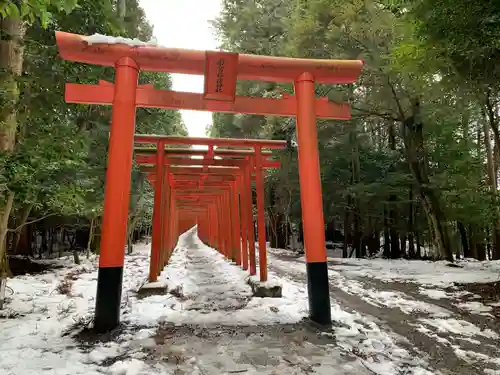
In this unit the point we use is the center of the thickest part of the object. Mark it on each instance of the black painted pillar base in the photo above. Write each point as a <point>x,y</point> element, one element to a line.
<point>108,299</point>
<point>319,293</point>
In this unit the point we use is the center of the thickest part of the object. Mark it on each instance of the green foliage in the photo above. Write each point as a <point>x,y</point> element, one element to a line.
<point>466,33</point>
<point>31,11</point>
<point>441,53</point>
<point>59,163</point>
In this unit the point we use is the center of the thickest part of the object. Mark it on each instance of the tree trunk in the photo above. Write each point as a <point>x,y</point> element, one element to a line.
<point>301,233</point>
<point>395,240</point>
<point>45,246</point>
<point>473,245</point>
<point>11,65</point>
<point>52,235</point>
<point>492,180</point>
<point>430,197</point>
<point>91,237</point>
<point>76,257</point>
<point>272,234</point>
<point>418,254</point>
<point>271,231</point>
<point>387,236</point>
<point>411,217</point>
<point>281,231</point>
<point>25,213</point>
<point>4,223</point>
<point>356,236</point>
<point>4,260</point>
<point>480,246</point>
<point>347,226</point>
<point>463,239</point>
<point>395,250</point>
<point>23,241</point>
<point>130,248</point>
<point>356,215</point>
<point>121,9</point>
<point>61,249</point>
<point>403,239</point>
<point>374,245</point>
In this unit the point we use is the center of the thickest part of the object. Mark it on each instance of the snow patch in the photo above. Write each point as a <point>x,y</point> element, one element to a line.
<point>105,39</point>
<point>459,327</point>
<point>433,293</point>
<point>154,285</point>
<point>274,283</point>
<point>476,307</point>
<point>426,273</point>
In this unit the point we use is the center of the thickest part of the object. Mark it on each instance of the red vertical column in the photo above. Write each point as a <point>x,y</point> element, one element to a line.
<point>176,226</point>
<point>158,214</point>
<point>243,220</point>
<point>166,216</point>
<point>116,197</point>
<point>222,225</point>
<point>311,201</point>
<point>227,225</point>
<point>218,215</point>
<point>250,226</point>
<point>209,225</point>
<point>236,223</point>
<point>213,222</point>
<point>261,219</point>
<point>171,226</point>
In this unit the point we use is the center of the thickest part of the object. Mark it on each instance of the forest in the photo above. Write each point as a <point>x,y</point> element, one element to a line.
<point>53,154</point>
<point>413,174</point>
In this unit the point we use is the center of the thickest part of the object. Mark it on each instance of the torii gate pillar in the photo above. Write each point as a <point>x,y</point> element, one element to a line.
<point>116,197</point>
<point>312,201</point>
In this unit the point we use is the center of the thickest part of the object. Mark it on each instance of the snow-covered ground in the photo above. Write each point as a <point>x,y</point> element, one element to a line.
<point>209,323</point>
<point>427,303</point>
<point>426,273</point>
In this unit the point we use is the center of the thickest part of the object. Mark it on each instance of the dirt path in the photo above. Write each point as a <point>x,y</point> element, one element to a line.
<point>415,319</point>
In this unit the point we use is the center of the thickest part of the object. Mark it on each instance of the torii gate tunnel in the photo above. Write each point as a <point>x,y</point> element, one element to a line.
<point>213,192</point>
<point>221,71</point>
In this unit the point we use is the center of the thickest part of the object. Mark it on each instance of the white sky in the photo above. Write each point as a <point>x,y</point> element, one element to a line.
<point>184,24</point>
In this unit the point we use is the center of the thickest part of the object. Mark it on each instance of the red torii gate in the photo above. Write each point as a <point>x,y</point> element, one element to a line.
<point>254,163</point>
<point>221,71</point>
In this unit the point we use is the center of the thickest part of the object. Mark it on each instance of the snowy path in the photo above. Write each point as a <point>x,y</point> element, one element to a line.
<point>214,326</point>
<point>431,320</point>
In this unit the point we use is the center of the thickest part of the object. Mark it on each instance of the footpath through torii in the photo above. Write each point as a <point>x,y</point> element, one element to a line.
<point>221,71</point>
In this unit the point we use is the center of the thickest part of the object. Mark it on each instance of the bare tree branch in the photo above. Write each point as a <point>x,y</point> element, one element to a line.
<point>30,222</point>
